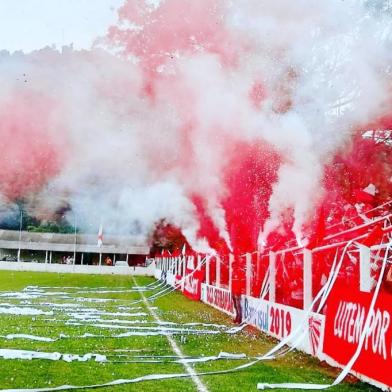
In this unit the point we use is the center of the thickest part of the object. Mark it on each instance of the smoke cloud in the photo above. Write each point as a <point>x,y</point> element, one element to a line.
<point>155,121</point>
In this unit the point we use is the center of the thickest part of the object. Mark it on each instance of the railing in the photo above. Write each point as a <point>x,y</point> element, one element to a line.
<point>289,280</point>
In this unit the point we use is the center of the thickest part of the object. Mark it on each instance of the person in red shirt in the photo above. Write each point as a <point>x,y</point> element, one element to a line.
<point>387,283</point>
<point>237,286</point>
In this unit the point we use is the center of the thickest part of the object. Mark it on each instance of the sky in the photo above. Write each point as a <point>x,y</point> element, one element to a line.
<point>33,24</point>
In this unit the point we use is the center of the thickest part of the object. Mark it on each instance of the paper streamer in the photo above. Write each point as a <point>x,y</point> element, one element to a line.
<point>29,355</point>
<point>323,294</point>
<point>361,341</point>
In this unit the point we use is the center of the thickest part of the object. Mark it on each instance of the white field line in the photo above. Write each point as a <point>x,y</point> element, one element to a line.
<point>200,386</point>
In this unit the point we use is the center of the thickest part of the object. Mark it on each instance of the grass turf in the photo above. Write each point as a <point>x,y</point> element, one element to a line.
<point>174,307</point>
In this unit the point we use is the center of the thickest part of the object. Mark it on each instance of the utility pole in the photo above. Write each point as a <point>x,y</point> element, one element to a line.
<point>20,231</point>
<point>74,256</point>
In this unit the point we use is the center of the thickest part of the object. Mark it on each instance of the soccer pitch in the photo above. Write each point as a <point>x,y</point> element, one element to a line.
<point>84,330</point>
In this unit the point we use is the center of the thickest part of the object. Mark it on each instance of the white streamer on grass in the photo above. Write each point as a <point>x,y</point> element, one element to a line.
<point>270,355</point>
<point>13,336</point>
<point>24,311</point>
<point>361,341</point>
<point>54,356</point>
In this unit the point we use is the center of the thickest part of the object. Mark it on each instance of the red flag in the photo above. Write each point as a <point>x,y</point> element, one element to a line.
<point>374,237</point>
<point>366,195</point>
<point>100,236</point>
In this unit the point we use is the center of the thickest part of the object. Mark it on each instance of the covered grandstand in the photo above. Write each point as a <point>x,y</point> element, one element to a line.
<point>81,249</point>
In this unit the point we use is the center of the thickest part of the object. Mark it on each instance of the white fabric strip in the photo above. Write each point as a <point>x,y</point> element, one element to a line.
<point>270,355</point>
<point>29,355</point>
<point>353,359</point>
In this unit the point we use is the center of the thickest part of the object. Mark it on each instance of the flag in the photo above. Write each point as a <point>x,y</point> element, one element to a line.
<point>183,250</point>
<point>366,195</point>
<point>100,236</point>
<point>374,236</point>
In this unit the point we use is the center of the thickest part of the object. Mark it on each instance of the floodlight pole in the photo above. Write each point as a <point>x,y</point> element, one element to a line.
<point>20,231</point>
<point>74,257</point>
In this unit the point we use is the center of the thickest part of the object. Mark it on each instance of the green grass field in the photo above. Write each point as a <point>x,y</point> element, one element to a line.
<point>74,305</point>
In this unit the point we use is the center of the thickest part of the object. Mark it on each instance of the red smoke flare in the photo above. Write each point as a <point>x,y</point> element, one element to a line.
<point>31,148</point>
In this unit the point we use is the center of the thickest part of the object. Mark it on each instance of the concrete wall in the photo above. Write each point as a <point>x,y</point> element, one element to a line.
<point>77,269</point>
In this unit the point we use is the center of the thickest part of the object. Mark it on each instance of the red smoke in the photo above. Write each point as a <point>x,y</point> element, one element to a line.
<point>251,171</point>
<point>164,40</point>
<point>207,228</point>
<point>175,27</point>
<point>366,161</point>
<point>31,151</point>
<point>249,176</point>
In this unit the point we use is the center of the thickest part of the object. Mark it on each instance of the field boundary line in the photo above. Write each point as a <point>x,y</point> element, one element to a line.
<point>195,378</point>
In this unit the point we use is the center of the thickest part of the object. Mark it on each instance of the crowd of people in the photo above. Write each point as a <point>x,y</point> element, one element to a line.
<point>69,260</point>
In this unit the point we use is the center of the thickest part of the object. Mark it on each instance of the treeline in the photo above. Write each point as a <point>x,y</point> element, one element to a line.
<point>19,218</point>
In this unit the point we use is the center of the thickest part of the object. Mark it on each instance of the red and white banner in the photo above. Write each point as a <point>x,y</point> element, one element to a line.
<point>218,298</point>
<point>280,321</point>
<point>346,315</point>
<point>192,284</point>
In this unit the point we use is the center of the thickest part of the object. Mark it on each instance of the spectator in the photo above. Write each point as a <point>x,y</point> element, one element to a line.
<point>237,283</point>
<point>388,279</point>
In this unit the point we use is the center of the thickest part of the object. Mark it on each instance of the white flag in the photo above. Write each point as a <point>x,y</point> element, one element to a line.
<point>100,235</point>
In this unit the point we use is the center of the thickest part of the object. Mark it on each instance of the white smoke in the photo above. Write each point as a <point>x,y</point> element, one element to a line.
<point>129,160</point>
<point>333,58</point>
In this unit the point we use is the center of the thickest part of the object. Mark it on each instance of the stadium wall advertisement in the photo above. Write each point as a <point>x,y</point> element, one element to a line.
<point>346,315</point>
<point>332,337</point>
<point>280,321</point>
<point>192,285</point>
<point>218,298</point>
